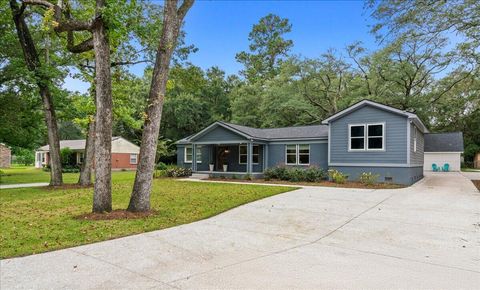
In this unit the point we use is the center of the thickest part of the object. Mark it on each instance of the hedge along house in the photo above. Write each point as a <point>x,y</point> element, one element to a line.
<point>365,137</point>
<point>124,153</point>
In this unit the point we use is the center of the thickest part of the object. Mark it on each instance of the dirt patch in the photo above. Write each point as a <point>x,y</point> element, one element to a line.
<point>68,186</point>
<point>119,214</point>
<point>477,184</point>
<point>348,184</point>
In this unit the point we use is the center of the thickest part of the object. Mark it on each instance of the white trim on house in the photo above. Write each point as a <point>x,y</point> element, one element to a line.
<point>297,154</point>
<point>212,126</point>
<point>376,164</point>
<point>198,151</point>
<point>377,105</point>
<point>246,154</point>
<point>135,158</point>
<point>366,137</point>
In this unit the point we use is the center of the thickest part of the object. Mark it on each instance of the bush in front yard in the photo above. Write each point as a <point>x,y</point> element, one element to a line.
<point>368,178</point>
<point>178,172</point>
<point>337,176</point>
<point>295,174</point>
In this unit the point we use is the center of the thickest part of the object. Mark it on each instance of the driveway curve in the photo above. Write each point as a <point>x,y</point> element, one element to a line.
<point>423,236</point>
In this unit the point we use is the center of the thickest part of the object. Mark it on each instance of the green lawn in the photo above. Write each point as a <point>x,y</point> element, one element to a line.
<point>34,220</point>
<point>30,174</point>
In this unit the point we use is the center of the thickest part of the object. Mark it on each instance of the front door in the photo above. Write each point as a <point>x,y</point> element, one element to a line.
<point>222,157</point>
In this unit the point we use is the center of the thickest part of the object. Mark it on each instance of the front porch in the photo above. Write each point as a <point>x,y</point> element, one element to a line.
<point>227,160</point>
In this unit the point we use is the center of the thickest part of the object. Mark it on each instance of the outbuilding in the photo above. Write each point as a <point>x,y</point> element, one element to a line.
<point>124,153</point>
<point>443,148</point>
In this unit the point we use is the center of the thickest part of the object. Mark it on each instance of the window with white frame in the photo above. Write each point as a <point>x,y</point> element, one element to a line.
<point>80,157</point>
<point>189,154</point>
<point>243,156</point>
<point>356,137</point>
<point>366,137</point>
<point>414,139</point>
<point>133,158</point>
<point>375,136</point>
<point>43,157</point>
<point>297,154</point>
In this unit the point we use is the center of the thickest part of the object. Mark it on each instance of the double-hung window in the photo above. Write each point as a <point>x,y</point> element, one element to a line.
<point>369,137</point>
<point>243,156</point>
<point>297,154</point>
<point>189,154</point>
<point>133,158</point>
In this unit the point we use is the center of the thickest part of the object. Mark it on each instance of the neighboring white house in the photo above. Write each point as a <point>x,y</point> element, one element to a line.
<point>124,153</point>
<point>443,148</point>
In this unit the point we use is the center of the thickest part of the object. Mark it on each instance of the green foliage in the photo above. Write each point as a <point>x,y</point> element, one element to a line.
<point>295,174</point>
<point>178,172</point>
<point>337,176</point>
<point>368,178</point>
<point>24,156</point>
<point>161,166</point>
<point>267,47</point>
<point>67,156</point>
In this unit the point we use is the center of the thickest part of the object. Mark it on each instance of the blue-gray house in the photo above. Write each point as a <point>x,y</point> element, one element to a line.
<point>365,137</point>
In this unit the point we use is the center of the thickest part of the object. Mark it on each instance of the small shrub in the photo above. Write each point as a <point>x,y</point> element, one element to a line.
<point>336,176</point>
<point>368,178</point>
<point>295,174</point>
<point>46,168</point>
<point>234,177</point>
<point>159,173</point>
<point>178,172</point>
<point>248,177</point>
<point>161,166</point>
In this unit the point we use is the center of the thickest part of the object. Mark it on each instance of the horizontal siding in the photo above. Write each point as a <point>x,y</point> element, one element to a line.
<point>220,134</point>
<point>318,155</point>
<point>416,157</point>
<point>395,142</point>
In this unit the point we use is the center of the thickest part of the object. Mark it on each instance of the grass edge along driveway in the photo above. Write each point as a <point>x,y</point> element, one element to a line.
<point>36,220</point>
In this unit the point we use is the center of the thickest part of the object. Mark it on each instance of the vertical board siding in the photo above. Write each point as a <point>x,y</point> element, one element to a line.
<point>416,158</point>
<point>395,134</point>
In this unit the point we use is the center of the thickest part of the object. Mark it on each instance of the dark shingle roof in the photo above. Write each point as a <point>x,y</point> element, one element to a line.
<point>444,142</point>
<point>313,131</point>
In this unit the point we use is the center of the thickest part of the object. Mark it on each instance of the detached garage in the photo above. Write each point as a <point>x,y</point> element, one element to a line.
<point>443,148</point>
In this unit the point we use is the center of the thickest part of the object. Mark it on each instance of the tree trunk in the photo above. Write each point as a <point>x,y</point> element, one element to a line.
<point>85,178</point>
<point>102,197</point>
<point>140,198</point>
<point>33,63</point>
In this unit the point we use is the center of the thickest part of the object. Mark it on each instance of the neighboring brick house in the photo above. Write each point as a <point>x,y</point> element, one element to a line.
<point>124,153</point>
<point>5,156</point>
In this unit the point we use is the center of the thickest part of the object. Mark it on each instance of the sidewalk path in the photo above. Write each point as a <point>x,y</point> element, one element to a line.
<point>21,185</point>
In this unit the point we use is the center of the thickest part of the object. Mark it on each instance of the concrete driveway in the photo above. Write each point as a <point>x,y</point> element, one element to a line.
<point>424,236</point>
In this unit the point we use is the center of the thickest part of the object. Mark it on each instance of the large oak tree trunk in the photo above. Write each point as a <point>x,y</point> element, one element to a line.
<point>33,63</point>
<point>102,197</point>
<point>85,178</point>
<point>173,18</point>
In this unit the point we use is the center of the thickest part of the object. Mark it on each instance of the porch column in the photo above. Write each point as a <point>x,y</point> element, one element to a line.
<point>249,157</point>
<point>194,157</point>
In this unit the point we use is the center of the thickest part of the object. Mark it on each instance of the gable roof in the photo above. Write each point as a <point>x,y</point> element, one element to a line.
<point>444,142</point>
<point>75,144</point>
<point>363,103</point>
<point>270,134</point>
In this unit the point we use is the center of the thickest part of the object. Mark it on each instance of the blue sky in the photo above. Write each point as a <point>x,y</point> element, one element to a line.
<point>219,29</point>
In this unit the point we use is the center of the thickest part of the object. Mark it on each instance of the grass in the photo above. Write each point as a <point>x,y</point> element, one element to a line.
<point>35,220</point>
<point>30,174</point>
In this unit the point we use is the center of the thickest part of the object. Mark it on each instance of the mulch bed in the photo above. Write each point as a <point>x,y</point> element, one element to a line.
<point>118,214</point>
<point>348,184</point>
<point>477,184</point>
